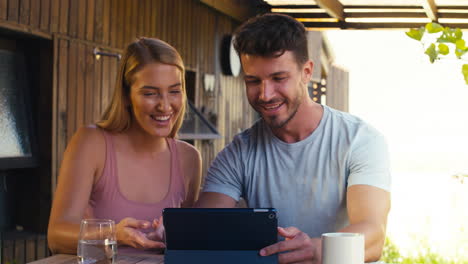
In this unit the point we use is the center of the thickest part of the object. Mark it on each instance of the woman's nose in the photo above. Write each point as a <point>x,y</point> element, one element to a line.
<point>163,104</point>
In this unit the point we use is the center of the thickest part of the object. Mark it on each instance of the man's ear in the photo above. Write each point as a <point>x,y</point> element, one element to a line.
<point>307,70</point>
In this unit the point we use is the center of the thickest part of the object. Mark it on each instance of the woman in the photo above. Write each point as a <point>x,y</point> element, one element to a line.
<point>129,167</point>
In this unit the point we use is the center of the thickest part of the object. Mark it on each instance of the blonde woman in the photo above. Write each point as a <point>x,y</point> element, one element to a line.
<point>130,166</point>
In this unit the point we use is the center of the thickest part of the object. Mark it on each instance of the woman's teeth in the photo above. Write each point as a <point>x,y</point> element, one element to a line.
<point>161,118</point>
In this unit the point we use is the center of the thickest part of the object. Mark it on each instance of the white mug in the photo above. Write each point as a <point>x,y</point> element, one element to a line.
<point>342,248</point>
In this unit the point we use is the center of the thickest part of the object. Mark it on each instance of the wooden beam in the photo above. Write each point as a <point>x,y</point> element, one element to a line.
<point>240,10</point>
<point>360,7</point>
<point>333,7</point>
<point>431,9</point>
<point>452,15</point>
<point>354,25</point>
<point>14,26</point>
<point>370,15</point>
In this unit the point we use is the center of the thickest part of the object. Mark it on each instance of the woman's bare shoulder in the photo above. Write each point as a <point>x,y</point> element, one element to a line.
<point>89,135</point>
<point>191,163</point>
<point>186,150</point>
<point>190,159</point>
<point>87,140</point>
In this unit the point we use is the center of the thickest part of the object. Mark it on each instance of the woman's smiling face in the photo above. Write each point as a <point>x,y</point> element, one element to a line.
<point>156,98</point>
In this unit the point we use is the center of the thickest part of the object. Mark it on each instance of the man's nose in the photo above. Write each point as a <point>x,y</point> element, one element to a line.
<point>267,91</point>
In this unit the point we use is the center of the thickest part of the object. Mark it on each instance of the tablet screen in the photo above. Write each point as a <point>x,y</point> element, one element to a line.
<point>219,228</point>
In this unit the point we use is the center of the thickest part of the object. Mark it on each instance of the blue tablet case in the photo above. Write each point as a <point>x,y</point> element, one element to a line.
<point>219,235</point>
<point>217,256</point>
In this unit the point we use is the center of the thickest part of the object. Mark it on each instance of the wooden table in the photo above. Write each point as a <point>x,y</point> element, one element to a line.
<point>121,259</point>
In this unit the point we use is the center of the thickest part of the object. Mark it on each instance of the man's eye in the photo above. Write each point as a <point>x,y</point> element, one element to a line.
<point>149,94</point>
<point>252,81</point>
<point>175,91</point>
<point>278,79</point>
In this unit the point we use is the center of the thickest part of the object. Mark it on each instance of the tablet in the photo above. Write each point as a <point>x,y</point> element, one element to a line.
<point>219,228</point>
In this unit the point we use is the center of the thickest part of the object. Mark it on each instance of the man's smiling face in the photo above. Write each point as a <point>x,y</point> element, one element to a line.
<point>274,86</point>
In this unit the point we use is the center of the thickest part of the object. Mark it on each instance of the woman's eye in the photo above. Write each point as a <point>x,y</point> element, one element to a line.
<point>175,92</point>
<point>149,94</point>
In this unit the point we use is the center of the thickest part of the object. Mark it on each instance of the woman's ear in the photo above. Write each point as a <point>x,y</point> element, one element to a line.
<point>126,95</point>
<point>127,102</point>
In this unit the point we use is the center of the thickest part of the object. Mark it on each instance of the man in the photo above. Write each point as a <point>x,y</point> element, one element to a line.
<point>323,170</point>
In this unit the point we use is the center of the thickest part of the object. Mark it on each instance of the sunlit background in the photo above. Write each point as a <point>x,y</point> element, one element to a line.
<point>422,109</point>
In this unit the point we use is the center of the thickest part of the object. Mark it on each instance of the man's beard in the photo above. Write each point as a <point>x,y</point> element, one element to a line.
<point>274,121</point>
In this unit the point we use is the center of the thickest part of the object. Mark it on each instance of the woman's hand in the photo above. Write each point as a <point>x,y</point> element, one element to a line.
<point>129,233</point>
<point>158,233</point>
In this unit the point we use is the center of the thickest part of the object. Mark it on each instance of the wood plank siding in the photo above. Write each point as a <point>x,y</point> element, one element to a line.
<point>337,88</point>
<point>82,85</point>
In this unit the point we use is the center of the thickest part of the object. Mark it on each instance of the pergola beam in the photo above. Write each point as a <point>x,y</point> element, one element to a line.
<point>431,9</point>
<point>333,7</point>
<point>373,15</point>
<point>355,25</point>
<point>240,10</point>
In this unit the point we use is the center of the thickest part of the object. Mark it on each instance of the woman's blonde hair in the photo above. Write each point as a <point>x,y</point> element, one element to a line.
<point>117,117</point>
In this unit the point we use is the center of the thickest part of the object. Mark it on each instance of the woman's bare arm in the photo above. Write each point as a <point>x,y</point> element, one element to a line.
<point>82,161</point>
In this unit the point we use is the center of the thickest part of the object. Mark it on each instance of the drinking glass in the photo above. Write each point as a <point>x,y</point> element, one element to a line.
<point>97,242</point>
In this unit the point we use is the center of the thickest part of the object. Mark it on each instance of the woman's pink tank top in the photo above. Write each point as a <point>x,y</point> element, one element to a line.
<point>108,202</point>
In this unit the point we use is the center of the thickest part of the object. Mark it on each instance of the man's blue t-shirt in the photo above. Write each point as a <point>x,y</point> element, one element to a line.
<point>305,181</point>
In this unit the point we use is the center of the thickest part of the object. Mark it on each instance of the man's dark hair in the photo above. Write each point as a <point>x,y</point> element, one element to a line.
<point>270,35</point>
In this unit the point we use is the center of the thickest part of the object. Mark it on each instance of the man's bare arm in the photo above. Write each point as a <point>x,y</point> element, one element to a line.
<point>215,200</point>
<point>368,208</point>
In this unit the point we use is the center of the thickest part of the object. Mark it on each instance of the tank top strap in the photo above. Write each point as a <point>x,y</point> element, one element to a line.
<point>178,180</point>
<point>108,176</point>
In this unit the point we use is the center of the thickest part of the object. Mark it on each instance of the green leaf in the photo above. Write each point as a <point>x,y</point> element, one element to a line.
<point>460,49</point>
<point>465,72</point>
<point>460,53</point>
<point>443,49</point>
<point>458,33</point>
<point>432,53</point>
<point>434,27</point>
<point>416,34</point>
<point>460,44</point>
<point>450,35</point>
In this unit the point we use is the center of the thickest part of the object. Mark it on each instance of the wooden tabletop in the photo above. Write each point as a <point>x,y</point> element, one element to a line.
<point>121,259</point>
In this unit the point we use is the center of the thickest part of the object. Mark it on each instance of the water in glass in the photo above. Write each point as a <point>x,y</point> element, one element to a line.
<point>97,242</point>
<point>97,251</point>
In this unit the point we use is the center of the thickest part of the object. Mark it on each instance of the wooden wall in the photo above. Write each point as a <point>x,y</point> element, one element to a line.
<point>82,85</point>
<point>338,88</point>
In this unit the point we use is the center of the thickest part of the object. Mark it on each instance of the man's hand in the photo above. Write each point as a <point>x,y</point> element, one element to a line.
<point>129,233</point>
<point>299,246</point>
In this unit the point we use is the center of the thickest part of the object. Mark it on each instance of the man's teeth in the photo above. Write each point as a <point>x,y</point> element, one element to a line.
<point>161,118</point>
<point>272,106</point>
